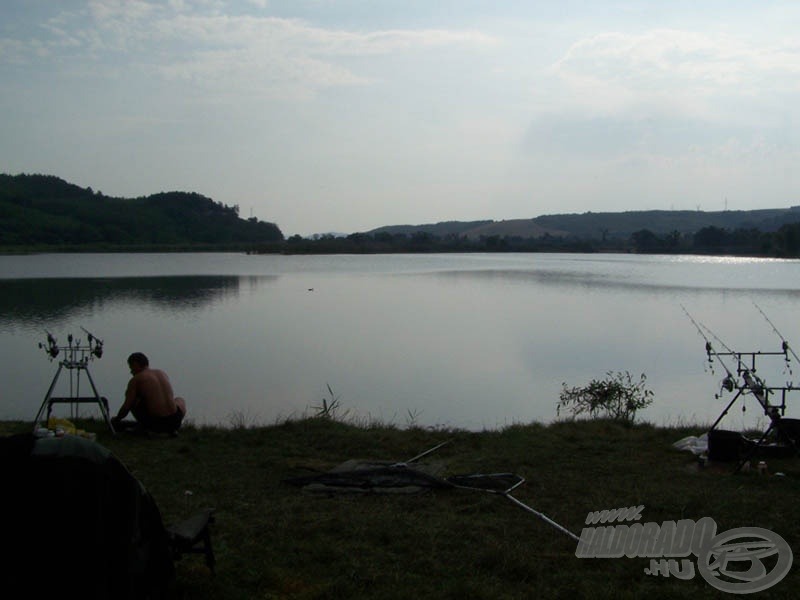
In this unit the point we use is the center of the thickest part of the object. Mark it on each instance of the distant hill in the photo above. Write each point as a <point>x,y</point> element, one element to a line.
<point>621,225</point>
<point>43,210</point>
<point>442,229</point>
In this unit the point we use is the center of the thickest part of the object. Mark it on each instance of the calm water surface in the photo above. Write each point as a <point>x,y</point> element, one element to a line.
<point>473,341</point>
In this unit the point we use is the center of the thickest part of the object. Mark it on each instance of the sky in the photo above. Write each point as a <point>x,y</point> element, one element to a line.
<point>346,115</point>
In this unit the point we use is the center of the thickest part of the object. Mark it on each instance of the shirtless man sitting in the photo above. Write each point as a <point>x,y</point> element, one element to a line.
<point>149,397</point>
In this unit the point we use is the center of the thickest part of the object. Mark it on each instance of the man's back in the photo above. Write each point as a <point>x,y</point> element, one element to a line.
<point>154,391</point>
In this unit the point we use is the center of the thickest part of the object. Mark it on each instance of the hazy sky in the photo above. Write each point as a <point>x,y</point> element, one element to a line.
<point>344,115</point>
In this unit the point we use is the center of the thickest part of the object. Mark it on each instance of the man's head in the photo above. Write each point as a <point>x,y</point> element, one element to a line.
<point>137,362</point>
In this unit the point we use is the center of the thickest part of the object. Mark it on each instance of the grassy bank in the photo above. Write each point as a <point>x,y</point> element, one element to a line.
<point>274,541</point>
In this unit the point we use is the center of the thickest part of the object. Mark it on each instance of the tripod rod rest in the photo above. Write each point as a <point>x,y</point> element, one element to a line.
<point>75,364</point>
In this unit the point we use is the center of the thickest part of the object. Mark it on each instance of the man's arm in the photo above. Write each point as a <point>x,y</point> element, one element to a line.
<point>130,399</point>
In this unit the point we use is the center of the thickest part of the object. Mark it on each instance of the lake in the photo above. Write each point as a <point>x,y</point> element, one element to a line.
<point>475,341</point>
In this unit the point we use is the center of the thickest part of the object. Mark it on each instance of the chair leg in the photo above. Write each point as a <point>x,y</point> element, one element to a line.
<point>209,551</point>
<point>193,536</point>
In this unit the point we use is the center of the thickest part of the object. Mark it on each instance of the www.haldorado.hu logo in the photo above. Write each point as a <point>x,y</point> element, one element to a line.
<point>732,561</point>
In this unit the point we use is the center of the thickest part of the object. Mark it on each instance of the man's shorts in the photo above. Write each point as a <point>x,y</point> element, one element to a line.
<point>166,424</point>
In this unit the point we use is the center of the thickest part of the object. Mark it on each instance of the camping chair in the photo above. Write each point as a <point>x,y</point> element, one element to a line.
<point>192,536</point>
<point>75,515</point>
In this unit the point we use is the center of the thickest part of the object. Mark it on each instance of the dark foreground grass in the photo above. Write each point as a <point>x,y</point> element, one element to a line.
<point>274,541</point>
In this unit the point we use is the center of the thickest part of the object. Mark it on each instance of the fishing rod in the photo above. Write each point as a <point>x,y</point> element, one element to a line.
<point>730,381</point>
<point>741,368</point>
<point>75,358</point>
<point>95,343</point>
<point>785,343</point>
<point>747,372</point>
<point>52,348</point>
<point>752,382</point>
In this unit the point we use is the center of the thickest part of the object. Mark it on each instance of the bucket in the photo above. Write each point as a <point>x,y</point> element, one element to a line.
<point>725,446</point>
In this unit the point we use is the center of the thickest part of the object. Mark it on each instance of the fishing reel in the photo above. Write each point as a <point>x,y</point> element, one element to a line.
<point>787,361</point>
<point>728,384</point>
<point>51,348</point>
<point>95,344</point>
<point>75,351</point>
<point>710,354</point>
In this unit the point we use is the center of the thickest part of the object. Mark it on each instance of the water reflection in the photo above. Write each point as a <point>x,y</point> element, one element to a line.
<point>29,302</point>
<point>466,341</point>
<point>620,281</point>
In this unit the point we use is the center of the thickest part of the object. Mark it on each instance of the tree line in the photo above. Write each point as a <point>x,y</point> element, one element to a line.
<point>783,243</point>
<point>45,211</point>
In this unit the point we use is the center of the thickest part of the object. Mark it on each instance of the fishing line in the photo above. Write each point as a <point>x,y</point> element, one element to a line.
<point>730,379</point>
<point>786,346</point>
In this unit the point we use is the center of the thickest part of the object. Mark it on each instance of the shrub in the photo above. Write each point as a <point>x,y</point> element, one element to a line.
<point>616,397</point>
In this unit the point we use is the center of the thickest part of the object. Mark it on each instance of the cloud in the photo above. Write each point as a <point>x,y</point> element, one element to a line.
<point>667,94</point>
<point>127,11</point>
<point>606,137</point>
<point>684,70</point>
<point>205,47</point>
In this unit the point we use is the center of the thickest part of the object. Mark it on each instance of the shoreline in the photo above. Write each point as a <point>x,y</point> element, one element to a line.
<point>274,540</point>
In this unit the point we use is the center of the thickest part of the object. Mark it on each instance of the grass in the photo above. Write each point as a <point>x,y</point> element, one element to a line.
<point>274,541</point>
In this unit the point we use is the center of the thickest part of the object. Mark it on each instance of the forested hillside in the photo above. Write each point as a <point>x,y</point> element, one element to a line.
<point>598,225</point>
<point>606,225</point>
<point>43,210</point>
